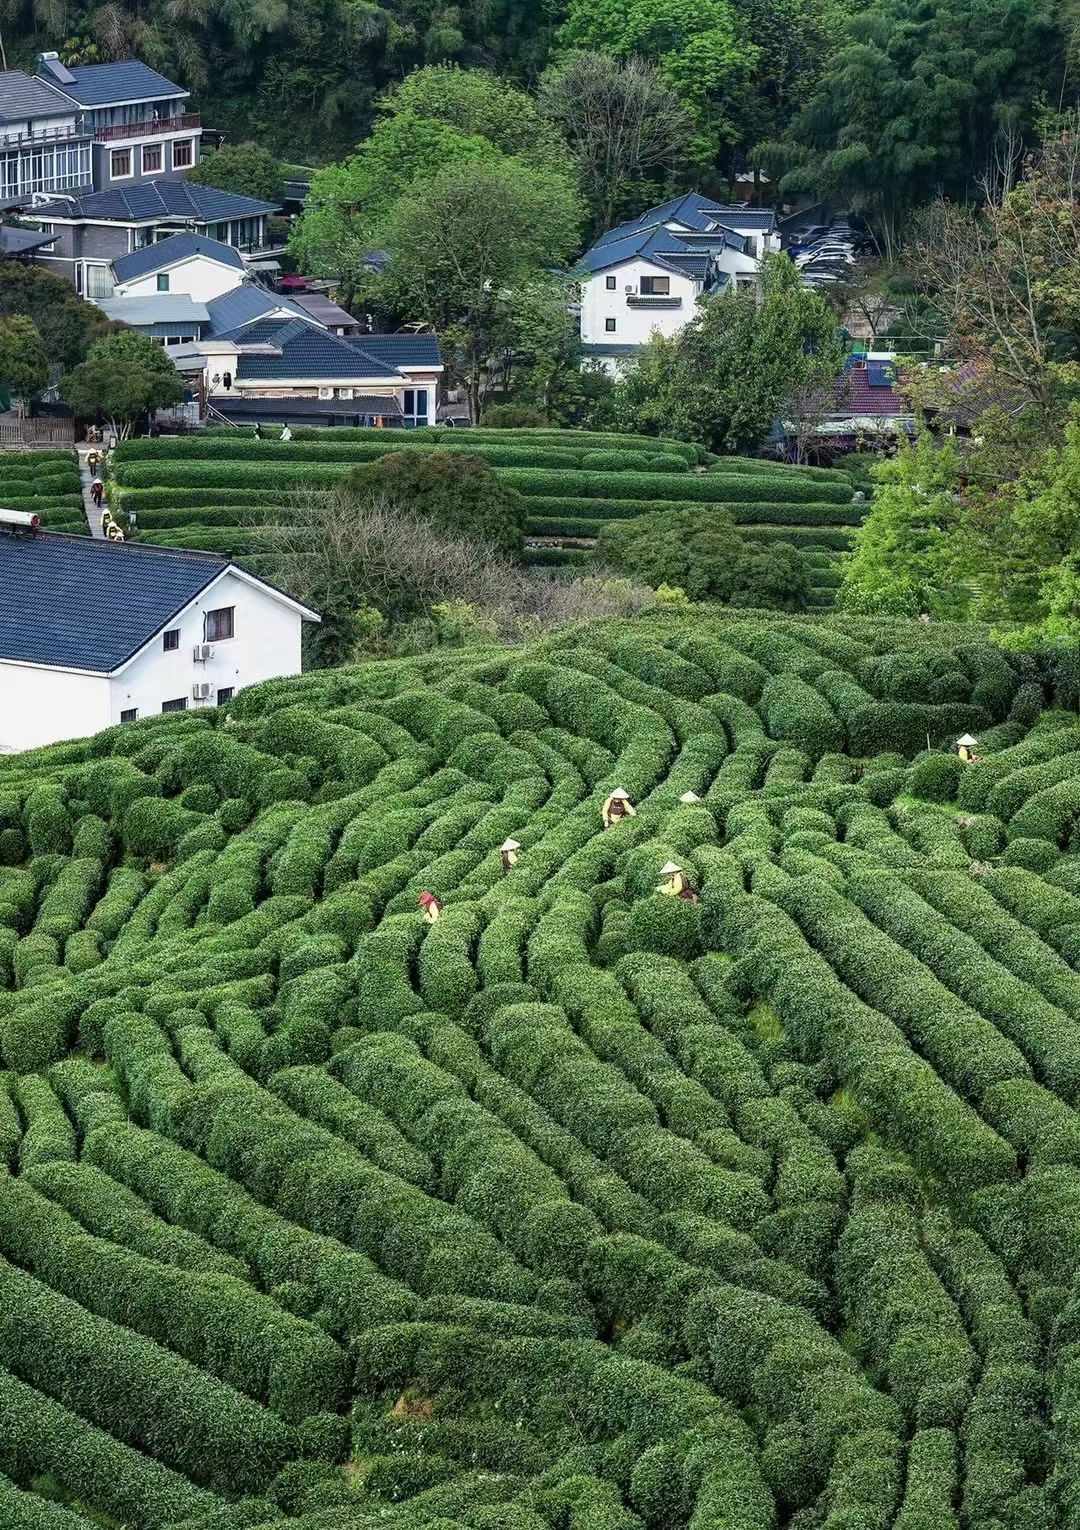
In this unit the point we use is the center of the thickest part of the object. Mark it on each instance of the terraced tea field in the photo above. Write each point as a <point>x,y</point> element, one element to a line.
<point>582,1207</point>
<point>46,484</point>
<point>212,490</point>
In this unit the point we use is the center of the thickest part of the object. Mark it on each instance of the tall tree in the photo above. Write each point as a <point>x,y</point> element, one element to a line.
<point>246,168</point>
<point>736,367</point>
<point>24,363</point>
<point>462,242</point>
<point>622,122</point>
<point>124,377</point>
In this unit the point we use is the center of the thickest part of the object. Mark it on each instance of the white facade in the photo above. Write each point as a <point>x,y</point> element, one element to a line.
<point>199,276</point>
<point>42,704</point>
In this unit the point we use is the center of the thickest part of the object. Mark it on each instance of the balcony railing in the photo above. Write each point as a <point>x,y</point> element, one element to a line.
<point>9,139</point>
<point>653,300</point>
<point>149,126</point>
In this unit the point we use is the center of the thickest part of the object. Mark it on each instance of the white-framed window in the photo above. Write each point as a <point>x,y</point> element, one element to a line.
<point>99,282</point>
<point>415,406</point>
<point>120,165</point>
<point>152,158</point>
<point>182,153</point>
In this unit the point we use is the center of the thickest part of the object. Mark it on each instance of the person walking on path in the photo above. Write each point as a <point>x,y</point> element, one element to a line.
<point>97,492</point>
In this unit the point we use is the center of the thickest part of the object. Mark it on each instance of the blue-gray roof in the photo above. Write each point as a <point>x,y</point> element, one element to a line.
<point>166,252</point>
<point>156,199</point>
<point>401,350</point>
<point>310,352</point>
<point>77,603</point>
<point>106,84</point>
<point>288,407</point>
<point>22,97</point>
<point>244,305</point>
<point>20,241</point>
<point>706,224</point>
<point>661,247</point>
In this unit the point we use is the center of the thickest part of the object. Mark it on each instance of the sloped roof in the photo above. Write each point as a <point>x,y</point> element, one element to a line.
<point>152,200</point>
<point>154,308</point>
<point>661,246</point>
<point>304,351</point>
<point>20,241</point>
<point>701,218</point>
<point>869,390</point>
<point>168,252</point>
<point>282,407</point>
<point>77,603</point>
<point>23,97</point>
<point>401,350</point>
<point>243,305</point>
<point>131,80</point>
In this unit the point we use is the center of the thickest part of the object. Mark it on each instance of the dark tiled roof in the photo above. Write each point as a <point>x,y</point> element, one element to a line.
<point>308,351</point>
<point>599,348</point>
<point>401,350</point>
<point>244,305</point>
<point>858,394</point>
<point>22,97</point>
<point>166,252</point>
<point>18,241</point>
<point>77,603</point>
<point>660,246</point>
<point>102,84</point>
<point>156,199</point>
<point>700,216</point>
<point>274,411</point>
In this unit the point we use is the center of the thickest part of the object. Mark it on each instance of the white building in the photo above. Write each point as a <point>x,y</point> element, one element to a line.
<point>94,633</point>
<point>645,277</point>
<point>184,263</point>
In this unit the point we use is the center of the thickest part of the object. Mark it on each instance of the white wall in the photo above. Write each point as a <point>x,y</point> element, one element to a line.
<point>633,326</point>
<point>42,706</point>
<point>266,645</point>
<point>200,278</point>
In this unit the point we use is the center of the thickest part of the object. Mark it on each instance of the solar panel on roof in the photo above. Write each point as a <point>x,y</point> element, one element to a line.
<point>58,70</point>
<point>879,374</point>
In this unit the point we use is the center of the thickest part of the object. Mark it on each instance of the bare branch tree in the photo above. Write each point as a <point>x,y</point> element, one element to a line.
<point>620,120</point>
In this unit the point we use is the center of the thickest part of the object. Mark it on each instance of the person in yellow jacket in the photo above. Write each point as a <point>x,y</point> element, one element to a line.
<point>616,807</point>
<point>675,884</point>
<point>509,852</point>
<point>965,749</point>
<point>431,907</point>
<point>113,533</point>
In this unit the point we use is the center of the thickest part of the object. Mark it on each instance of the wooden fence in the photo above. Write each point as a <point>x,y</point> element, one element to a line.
<point>30,433</point>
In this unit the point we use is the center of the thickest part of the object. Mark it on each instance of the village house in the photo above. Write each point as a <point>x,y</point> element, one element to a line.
<point>645,276</point>
<point>94,633</point>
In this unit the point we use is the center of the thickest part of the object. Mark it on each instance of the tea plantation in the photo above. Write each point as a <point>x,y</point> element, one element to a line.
<point>214,490</point>
<point>582,1207</point>
<point>46,484</point>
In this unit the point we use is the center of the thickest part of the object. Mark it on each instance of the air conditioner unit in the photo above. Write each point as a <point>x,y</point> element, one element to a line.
<point>344,393</point>
<point>326,392</point>
<point>203,651</point>
<point>629,288</point>
<point>202,690</point>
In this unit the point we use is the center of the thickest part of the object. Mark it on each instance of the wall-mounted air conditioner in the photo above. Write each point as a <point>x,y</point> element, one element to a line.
<point>344,393</point>
<point>203,651</point>
<point>326,392</point>
<point>629,288</point>
<point>202,690</point>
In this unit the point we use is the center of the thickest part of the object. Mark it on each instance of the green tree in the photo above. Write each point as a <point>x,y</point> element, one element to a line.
<point>124,377</point>
<point>24,363</point>
<point>736,367</point>
<point>457,491</point>
<point>699,47</point>
<point>703,553</point>
<point>480,105</point>
<point>906,557</point>
<point>464,241</point>
<point>68,326</point>
<point>545,337</point>
<point>340,226</point>
<point>246,168</point>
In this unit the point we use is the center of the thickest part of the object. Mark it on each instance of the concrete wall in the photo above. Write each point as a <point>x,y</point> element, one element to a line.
<point>102,159</point>
<point>266,645</point>
<point>633,326</point>
<point>200,278</point>
<point>43,706</point>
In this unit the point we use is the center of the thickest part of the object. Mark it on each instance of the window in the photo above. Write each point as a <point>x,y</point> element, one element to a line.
<point>151,158</point>
<point>415,407</point>
<point>163,281</point>
<point>219,624</point>
<point>181,153</point>
<point>179,705</point>
<point>609,283</point>
<point>99,283</point>
<point>130,714</point>
<point>171,640</point>
<point>609,325</point>
<point>655,286</point>
<point>120,164</point>
<point>225,694</point>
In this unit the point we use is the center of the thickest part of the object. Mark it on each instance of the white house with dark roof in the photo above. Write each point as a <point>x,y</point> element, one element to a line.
<point>194,264</point>
<point>645,276</point>
<point>94,633</point>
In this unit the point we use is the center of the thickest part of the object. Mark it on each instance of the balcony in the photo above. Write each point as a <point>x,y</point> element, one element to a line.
<point>652,300</point>
<point>42,137</point>
<point>148,127</point>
